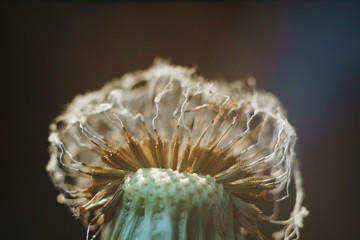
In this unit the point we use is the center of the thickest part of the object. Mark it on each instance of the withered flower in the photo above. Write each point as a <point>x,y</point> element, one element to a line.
<point>163,154</point>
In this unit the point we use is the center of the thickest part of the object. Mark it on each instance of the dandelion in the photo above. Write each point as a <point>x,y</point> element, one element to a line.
<point>163,154</point>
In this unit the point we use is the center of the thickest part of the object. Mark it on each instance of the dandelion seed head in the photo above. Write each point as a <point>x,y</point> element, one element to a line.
<point>164,154</point>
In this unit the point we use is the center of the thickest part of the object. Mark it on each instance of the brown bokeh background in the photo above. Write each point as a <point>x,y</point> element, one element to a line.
<point>308,54</point>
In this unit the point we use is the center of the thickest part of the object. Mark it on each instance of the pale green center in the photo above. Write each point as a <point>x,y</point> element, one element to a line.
<point>166,204</point>
<point>158,185</point>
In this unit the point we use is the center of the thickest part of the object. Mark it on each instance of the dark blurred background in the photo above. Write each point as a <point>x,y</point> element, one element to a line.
<point>307,53</point>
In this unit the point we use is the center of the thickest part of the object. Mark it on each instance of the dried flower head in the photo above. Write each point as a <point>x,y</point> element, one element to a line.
<point>162,154</point>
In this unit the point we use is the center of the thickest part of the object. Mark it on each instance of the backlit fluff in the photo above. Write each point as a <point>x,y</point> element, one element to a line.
<point>163,154</point>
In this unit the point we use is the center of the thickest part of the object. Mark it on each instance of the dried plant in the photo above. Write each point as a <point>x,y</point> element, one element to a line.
<point>163,154</point>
